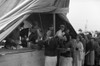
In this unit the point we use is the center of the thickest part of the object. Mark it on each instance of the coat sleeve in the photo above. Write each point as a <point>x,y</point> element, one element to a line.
<point>97,48</point>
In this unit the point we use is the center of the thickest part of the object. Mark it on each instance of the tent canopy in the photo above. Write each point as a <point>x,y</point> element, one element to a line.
<point>60,6</point>
<point>13,12</point>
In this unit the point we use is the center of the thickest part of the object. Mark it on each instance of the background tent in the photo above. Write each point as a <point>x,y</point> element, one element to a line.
<point>13,12</point>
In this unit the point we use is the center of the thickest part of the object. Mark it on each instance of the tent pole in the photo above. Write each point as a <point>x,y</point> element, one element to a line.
<point>41,22</point>
<point>54,22</point>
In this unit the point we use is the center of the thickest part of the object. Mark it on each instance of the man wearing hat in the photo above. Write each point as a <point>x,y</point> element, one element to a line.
<point>60,33</point>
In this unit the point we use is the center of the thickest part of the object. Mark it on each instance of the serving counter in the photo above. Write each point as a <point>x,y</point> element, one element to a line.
<point>21,57</point>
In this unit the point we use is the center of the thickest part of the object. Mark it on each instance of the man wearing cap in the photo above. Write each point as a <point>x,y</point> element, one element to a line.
<point>60,33</point>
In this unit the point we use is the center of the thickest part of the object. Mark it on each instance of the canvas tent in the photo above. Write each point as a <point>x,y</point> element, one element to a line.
<point>13,12</point>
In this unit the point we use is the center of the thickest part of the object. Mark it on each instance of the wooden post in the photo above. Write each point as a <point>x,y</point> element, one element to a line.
<point>54,22</point>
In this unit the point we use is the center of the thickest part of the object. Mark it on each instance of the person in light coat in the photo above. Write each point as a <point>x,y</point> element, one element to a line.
<point>78,53</point>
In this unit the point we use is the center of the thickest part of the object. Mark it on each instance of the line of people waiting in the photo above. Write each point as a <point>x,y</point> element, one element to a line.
<point>60,48</point>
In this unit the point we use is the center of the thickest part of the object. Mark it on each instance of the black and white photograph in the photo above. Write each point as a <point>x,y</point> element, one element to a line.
<point>49,32</point>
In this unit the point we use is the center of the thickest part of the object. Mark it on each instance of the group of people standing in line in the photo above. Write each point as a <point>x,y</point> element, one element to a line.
<point>63,50</point>
<point>60,48</point>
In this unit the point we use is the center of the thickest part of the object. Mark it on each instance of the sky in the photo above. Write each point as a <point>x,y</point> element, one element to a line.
<point>84,14</point>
